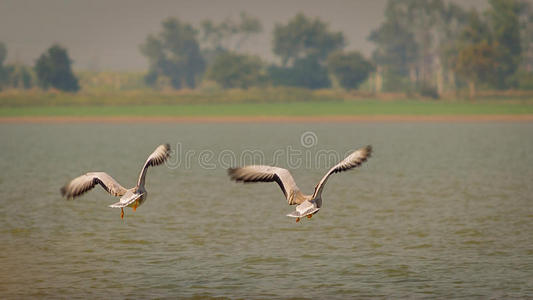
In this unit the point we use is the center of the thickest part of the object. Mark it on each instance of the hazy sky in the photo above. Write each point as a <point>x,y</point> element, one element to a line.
<point>106,34</point>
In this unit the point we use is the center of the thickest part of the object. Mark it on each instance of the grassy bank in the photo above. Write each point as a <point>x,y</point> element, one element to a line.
<point>279,109</point>
<point>276,101</point>
<point>18,98</point>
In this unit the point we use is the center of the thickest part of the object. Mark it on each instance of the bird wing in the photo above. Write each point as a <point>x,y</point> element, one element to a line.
<point>83,183</point>
<point>283,177</point>
<point>351,161</point>
<point>159,156</point>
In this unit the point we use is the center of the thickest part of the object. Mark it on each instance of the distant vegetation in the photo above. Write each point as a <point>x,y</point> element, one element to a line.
<point>174,56</point>
<point>53,69</point>
<point>117,97</point>
<point>233,70</point>
<point>438,46</point>
<point>307,108</point>
<point>350,69</point>
<point>424,48</point>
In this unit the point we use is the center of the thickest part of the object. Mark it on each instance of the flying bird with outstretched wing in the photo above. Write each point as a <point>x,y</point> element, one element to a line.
<point>308,205</point>
<point>133,197</point>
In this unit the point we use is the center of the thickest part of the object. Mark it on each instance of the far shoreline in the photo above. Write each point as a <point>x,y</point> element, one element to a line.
<point>270,119</point>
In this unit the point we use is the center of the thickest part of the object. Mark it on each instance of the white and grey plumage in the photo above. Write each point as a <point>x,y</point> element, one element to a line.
<point>308,205</point>
<point>133,197</point>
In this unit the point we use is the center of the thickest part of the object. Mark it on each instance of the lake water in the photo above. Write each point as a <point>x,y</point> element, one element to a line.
<point>441,210</point>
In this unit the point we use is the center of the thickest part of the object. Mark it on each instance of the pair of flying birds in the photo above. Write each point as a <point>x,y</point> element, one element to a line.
<point>308,205</point>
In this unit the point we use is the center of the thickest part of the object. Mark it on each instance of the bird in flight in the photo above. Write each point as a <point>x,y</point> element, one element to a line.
<point>308,205</point>
<point>133,197</point>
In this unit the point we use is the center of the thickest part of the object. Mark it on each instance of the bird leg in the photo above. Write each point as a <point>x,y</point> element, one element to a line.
<point>122,213</point>
<point>135,205</point>
<point>297,220</point>
<point>310,216</point>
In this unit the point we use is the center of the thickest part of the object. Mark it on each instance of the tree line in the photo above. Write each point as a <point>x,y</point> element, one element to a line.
<point>423,46</point>
<point>435,45</point>
<point>53,69</point>
<point>181,55</point>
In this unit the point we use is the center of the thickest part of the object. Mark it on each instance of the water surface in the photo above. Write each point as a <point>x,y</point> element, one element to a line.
<point>440,210</point>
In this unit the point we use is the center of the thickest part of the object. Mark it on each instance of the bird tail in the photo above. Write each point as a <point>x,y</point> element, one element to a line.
<point>118,205</point>
<point>294,214</point>
<point>298,214</point>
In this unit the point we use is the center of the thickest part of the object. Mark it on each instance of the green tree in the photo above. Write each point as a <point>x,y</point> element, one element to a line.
<point>53,69</point>
<point>3,53</point>
<point>414,40</point>
<point>247,27</point>
<point>477,53</point>
<point>303,45</point>
<point>19,76</point>
<point>523,78</point>
<point>350,69</point>
<point>227,35</point>
<point>396,48</point>
<point>174,54</point>
<point>453,20</point>
<point>476,63</point>
<point>526,36</point>
<point>504,20</point>
<point>304,37</point>
<point>3,71</point>
<point>395,54</point>
<point>232,70</point>
<point>306,72</point>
